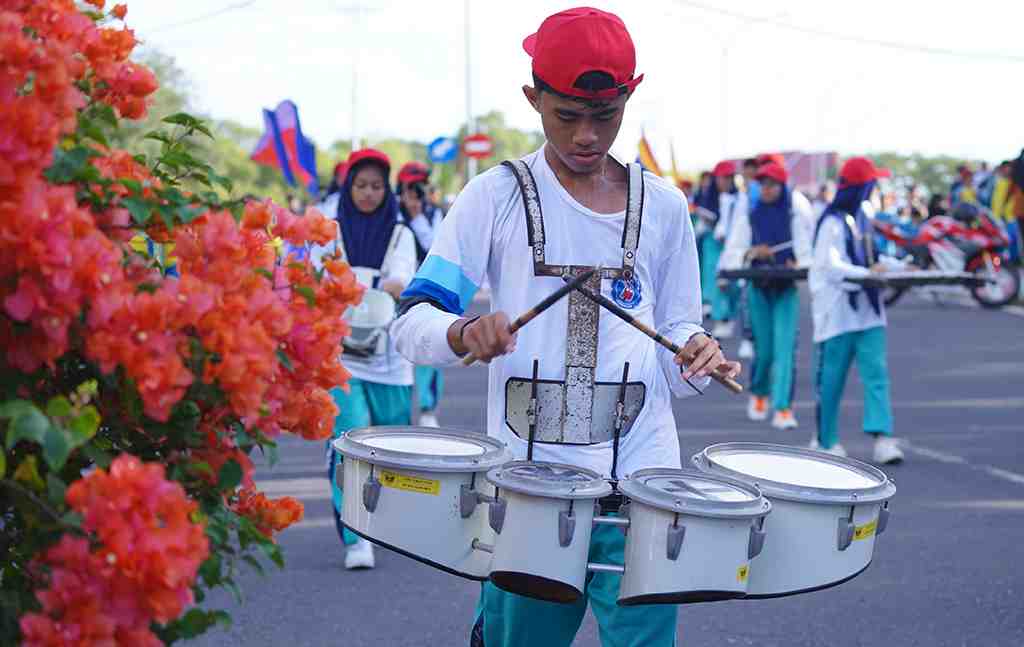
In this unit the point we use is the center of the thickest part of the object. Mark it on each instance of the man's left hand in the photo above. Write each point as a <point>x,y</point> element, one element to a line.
<point>702,356</point>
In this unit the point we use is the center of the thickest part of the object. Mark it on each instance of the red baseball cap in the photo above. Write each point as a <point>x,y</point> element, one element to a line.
<point>412,172</point>
<point>774,171</point>
<point>369,154</point>
<point>723,169</point>
<point>860,170</point>
<point>778,158</point>
<point>573,42</point>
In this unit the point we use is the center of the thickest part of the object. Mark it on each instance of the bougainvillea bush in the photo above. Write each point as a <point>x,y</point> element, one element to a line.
<point>152,339</point>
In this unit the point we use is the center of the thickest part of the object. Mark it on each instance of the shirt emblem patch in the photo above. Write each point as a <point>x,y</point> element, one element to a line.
<point>627,292</point>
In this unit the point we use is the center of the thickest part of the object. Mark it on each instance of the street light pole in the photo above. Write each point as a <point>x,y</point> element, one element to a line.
<point>470,122</point>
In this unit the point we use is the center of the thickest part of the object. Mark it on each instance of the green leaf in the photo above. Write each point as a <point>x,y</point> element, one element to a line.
<point>30,425</point>
<point>160,136</point>
<point>3,464</point>
<point>58,407</point>
<point>230,476</point>
<point>265,273</point>
<point>28,474</point>
<point>105,113</point>
<point>255,563</point>
<point>189,213</point>
<point>285,360</point>
<point>15,408</point>
<point>141,210</point>
<point>308,293</point>
<point>97,456</point>
<point>132,185</point>
<point>91,130</point>
<point>221,180</point>
<point>273,551</point>
<point>85,424</point>
<point>55,489</point>
<point>56,447</point>
<point>72,518</point>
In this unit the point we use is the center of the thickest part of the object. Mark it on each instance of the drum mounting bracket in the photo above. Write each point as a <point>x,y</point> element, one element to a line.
<point>846,531</point>
<point>566,526</point>
<point>469,498</point>
<point>371,493</point>
<point>674,540</point>
<point>757,536</point>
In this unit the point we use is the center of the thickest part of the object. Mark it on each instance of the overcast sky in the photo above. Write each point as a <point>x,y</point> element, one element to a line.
<point>783,88</point>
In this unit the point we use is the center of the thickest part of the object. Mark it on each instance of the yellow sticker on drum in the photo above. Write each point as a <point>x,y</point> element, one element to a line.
<point>865,531</point>
<point>408,483</point>
<point>742,573</point>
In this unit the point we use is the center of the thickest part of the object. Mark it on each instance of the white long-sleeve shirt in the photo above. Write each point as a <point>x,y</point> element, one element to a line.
<point>485,236</point>
<point>731,208</point>
<point>831,266</point>
<point>399,265</point>
<point>741,236</point>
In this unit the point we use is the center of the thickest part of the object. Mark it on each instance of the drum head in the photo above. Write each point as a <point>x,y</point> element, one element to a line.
<point>797,473</point>
<point>553,480</point>
<point>423,448</point>
<point>694,492</point>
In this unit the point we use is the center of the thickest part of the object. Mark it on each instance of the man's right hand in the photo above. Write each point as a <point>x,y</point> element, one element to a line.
<point>486,338</point>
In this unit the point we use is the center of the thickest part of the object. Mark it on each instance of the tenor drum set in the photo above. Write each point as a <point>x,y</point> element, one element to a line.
<point>747,520</point>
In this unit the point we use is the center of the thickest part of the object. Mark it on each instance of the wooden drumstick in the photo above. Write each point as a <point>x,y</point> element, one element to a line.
<point>611,306</point>
<point>548,301</point>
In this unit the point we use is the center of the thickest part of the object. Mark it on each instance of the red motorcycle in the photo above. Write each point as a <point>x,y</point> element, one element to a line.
<point>968,240</point>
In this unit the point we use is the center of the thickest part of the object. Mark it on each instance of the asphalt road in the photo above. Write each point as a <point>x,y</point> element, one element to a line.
<point>947,573</point>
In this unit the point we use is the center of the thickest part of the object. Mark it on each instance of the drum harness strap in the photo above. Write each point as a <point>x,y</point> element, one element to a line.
<point>578,389</point>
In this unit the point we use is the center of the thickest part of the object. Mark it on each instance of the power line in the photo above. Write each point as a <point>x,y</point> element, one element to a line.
<point>206,16</point>
<point>860,40</point>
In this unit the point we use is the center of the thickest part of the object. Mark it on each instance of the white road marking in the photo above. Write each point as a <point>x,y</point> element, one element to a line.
<point>1014,310</point>
<point>313,522</point>
<point>991,504</point>
<point>943,457</point>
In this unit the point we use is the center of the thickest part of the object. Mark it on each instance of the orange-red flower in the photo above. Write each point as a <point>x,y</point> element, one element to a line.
<point>270,516</point>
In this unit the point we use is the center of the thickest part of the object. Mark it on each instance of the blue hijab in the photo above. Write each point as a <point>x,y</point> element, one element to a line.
<point>772,224</point>
<point>708,198</point>
<point>366,236</point>
<point>848,202</point>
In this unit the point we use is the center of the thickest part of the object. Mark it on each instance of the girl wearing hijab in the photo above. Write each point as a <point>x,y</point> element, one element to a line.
<point>705,202</point>
<point>382,254</point>
<point>777,220</point>
<point>424,219</point>
<point>732,206</point>
<point>849,319</point>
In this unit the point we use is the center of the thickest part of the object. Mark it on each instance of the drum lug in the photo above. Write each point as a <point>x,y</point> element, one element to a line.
<point>496,514</point>
<point>846,532</point>
<point>468,498</point>
<point>566,527</point>
<point>883,518</point>
<point>674,543</point>
<point>371,493</point>
<point>757,535</point>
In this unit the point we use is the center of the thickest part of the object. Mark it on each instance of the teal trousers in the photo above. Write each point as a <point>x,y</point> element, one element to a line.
<point>366,403</point>
<point>709,250</point>
<point>508,620</point>
<point>723,301</point>
<point>834,356</point>
<point>775,319</point>
<point>429,386</point>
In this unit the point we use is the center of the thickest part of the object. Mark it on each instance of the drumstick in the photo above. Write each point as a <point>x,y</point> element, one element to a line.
<point>548,301</point>
<point>610,305</point>
<point>781,247</point>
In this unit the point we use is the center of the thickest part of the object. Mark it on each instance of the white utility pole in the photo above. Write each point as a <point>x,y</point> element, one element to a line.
<point>358,12</point>
<point>470,121</point>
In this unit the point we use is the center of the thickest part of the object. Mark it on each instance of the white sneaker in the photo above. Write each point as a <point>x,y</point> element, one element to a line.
<point>835,450</point>
<point>359,555</point>
<point>746,350</point>
<point>757,408</point>
<point>887,451</point>
<point>706,310</point>
<point>723,330</point>
<point>784,419</point>
<point>429,420</point>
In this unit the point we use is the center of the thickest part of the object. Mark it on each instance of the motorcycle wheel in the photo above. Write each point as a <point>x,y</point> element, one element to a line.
<point>998,294</point>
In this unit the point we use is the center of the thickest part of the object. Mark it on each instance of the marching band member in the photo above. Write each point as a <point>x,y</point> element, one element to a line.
<point>578,208</point>
<point>849,319</point>
<point>382,253</point>
<point>786,224</point>
<point>424,219</point>
<point>732,205</point>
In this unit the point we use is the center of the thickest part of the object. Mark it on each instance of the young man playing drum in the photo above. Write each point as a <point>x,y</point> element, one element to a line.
<point>582,210</point>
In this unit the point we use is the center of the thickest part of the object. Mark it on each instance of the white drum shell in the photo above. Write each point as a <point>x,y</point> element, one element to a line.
<point>529,545</point>
<point>801,552</point>
<point>712,563</point>
<point>424,526</point>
